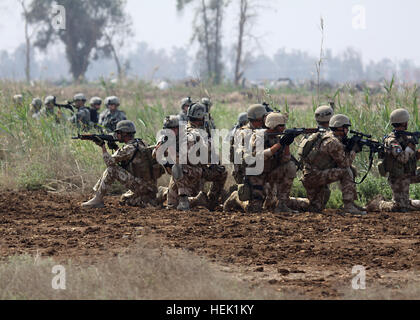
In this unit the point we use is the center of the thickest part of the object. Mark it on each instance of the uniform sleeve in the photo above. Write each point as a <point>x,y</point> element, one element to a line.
<point>123,154</point>
<point>337,152</point>
<point>397,151</point>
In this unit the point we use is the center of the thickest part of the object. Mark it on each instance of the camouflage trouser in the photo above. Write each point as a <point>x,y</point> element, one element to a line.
<point>188,185</point>
<point>141,192</point>
<point>400,193</point>
<point>316,181</point>
<point>217,180</point>
<point>280,182</point>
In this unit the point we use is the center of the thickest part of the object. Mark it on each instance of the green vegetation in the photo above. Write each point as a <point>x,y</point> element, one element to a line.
<point>40,154</point>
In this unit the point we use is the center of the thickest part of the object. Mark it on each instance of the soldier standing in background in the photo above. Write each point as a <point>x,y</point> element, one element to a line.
<point>111,116</point>
<point>95,105</point>
<point>185,104</point>
<point>82,116</point>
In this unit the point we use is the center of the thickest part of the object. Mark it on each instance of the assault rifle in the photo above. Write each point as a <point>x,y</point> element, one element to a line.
<point>293,133</point>
<point>97,138</point>
<point>289,135</point>
<point>362,139</point>
<point>414,135</point>
<point>68,106</point>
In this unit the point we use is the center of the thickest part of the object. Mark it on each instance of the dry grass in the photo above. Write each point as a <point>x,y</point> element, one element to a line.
<point>147,273</point>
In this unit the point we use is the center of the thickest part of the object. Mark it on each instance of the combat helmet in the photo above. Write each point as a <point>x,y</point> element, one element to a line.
<point>36,103</point>
<point>399,116</point>
<point>171,122</point>
<point>256,111</point>
<point>126,126</point>
<point>112,100</point>
<point>324,113</point>
<point>49,99</point>
<point>242,119</point>
<point>275,119</point>
<point>79,97</point>
<point>207,102</point>
<point>95,101</point>
<point>196,111</point>
<point>18,98</point>
<point>339,120</point>
<point>186,102</point>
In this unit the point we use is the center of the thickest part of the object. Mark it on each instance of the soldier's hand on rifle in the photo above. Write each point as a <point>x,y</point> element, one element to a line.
<point>98,141</point>
<point>112,145</point>
<point>357,147</point>
<point>287,140</point>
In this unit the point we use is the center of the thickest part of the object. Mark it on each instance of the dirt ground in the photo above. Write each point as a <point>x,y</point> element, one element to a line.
<point>305,254</point>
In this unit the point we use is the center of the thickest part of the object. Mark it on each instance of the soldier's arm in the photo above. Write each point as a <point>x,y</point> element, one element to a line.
<point>337,152</point>
<point>123,154</point>
<point>398,153</point>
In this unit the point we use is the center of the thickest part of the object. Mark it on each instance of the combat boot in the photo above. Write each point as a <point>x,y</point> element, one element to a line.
<point>199,201</point>
<point>254,206</point>
<point>350,208</point>
<point>283,208</point>
<point>96,202</point>
<point>184,204</point>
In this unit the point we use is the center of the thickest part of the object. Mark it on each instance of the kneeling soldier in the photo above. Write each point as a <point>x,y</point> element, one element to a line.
<point>132,165</point>
<point>400,162</point>
<point>330,161</point>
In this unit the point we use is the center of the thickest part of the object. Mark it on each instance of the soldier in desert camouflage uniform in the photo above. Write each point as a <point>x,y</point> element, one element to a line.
<point>400,162</point>
<point>188,179</point>
<point>274,183</point>
<point>82,116</point>
<point>279,168</point>
<point>256,116</point>
<point>330,161</point>
<point>131,165</point>
<point>323,116</point>
<point>111,116</point>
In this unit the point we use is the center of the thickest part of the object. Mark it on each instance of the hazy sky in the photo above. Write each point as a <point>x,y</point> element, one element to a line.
<point>390,27</point>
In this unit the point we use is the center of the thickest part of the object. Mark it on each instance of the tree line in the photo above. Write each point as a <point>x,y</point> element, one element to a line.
<point>97,29</point>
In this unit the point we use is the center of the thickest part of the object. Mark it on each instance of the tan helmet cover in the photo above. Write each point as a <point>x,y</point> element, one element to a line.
<point>275,119</point>
<point>399,116</point>
<point>324,113</point>
<point>256,111</point>
<point>339,120</point>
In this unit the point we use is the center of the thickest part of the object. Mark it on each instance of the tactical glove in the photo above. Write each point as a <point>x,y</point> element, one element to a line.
<point>112,145</point>
<point>287,140</point>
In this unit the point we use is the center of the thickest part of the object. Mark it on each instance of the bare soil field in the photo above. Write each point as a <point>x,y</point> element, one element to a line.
<point>304,255</point>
